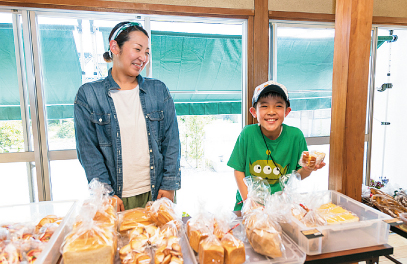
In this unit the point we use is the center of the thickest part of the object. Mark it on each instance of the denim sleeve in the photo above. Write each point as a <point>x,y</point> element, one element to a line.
<point>171,147</point>
<point>87,145</point>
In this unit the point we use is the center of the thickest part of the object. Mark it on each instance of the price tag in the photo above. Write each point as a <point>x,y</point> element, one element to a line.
<point>313,233</point>
<point>393,221</point>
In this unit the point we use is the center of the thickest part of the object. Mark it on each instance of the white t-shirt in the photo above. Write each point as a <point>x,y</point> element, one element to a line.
<point>133,133</point>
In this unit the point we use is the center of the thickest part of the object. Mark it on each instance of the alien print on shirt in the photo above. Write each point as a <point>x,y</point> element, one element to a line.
<point>267,170</point>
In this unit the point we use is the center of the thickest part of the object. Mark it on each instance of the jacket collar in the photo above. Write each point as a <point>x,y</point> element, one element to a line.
<point>112,85</point>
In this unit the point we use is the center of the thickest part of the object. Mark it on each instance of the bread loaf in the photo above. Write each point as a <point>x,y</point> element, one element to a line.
<point>234,250</point>
<point>211,251</point>
<point>90,246</point>
<point>196,236</point>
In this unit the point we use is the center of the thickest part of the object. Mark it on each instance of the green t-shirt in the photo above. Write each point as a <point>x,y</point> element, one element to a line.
<point>250,155</point>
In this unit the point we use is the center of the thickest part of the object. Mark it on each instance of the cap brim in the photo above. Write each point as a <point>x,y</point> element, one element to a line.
<point>276,89</point>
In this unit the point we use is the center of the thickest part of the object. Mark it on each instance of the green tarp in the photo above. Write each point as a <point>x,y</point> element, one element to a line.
<point>203,72</point>
<point>61,72</point>
<point>9,93</point>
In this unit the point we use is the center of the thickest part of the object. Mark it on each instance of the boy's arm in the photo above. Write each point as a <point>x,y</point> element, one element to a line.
<point>305,171</point>
<point>239,176</point>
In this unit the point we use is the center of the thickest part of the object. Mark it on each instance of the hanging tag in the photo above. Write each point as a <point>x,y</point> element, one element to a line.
<point>393,221</point>
<point>313,233</point>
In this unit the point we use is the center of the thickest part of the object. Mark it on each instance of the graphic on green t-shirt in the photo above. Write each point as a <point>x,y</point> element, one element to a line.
<point>267,170</point>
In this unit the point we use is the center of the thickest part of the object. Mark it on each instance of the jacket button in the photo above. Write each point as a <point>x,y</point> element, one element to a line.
<point>100,119</point>
<point>152,167</point>
<point>151,150</point>
<point>152,186</point>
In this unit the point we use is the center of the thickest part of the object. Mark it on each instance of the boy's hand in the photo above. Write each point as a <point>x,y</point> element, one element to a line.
<point>317,167</point>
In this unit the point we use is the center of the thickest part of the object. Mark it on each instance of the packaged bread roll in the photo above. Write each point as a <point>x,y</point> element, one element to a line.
<point>130,219</point>
<point>234,250</point>
<point>49,219</point>
<point>162,211</point>
<point>311,159</point>
<point>211,251</point>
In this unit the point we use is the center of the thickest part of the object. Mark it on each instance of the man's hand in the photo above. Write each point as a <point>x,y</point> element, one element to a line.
<point>166,193</point>
<point>120,206</point>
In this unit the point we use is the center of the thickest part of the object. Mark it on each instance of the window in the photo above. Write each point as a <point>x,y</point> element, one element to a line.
<point>301,58</point>
<point>199,59</point>
<point>17,163</point>
<point>388,124</point>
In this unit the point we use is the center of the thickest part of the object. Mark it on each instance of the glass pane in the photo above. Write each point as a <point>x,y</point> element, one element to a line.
<point>14,183</point>
<point>80,44</point>
<point>201,64</point>
<point>11,125</point>
<point>389,123</point>
<point>68,184</point>
<point>304,66</point>
<point>206,145</point>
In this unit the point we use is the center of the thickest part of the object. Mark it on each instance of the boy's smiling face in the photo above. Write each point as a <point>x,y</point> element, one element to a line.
<point>270,112</point>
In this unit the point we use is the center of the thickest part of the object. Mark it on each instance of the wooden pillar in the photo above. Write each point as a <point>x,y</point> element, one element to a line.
<point>260,32</point>
<point>353,23</point>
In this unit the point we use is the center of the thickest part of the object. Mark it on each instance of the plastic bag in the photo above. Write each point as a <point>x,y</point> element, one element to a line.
<point>311,159</point>
<point>388,205</point>
<point>211,250</point>
<point>131,219</point>
<point>168,251</point>
<point>163,211</point>
<point>222,224</point>
<point>90,241</point>
<point>258,191</point>
<point>264,234</point>
<point>365,191</point>
<point>234,250</point>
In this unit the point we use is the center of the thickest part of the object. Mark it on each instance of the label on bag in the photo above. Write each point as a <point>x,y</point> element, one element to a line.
<point>393,221</point>
<point>313,233</point>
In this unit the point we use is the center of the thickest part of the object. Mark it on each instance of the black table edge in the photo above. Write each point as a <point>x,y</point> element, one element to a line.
<point>352,256</point>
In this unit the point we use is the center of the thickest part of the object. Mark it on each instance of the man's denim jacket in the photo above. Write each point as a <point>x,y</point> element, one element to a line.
<point>98,141</point>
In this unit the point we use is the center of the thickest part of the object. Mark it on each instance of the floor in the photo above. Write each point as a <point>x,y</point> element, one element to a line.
<point>399,244</point>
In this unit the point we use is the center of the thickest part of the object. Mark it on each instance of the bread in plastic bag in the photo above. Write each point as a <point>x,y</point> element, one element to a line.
<point>130,219</point>
<point>311,159</point>
<point>211,250</point>
<point>90,243</point>
<point>162,211</point>
<point>234,250</point>
<point>264,234</point>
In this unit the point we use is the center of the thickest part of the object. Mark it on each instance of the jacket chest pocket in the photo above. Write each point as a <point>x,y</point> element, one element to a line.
<point>156,121</point>
<point>103,128</point>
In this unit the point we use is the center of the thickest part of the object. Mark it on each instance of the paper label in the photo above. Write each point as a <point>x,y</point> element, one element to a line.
<point>313,233</point>
<point>393,221</point>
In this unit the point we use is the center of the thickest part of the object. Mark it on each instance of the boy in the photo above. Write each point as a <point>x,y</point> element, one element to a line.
<point>270,148</point>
